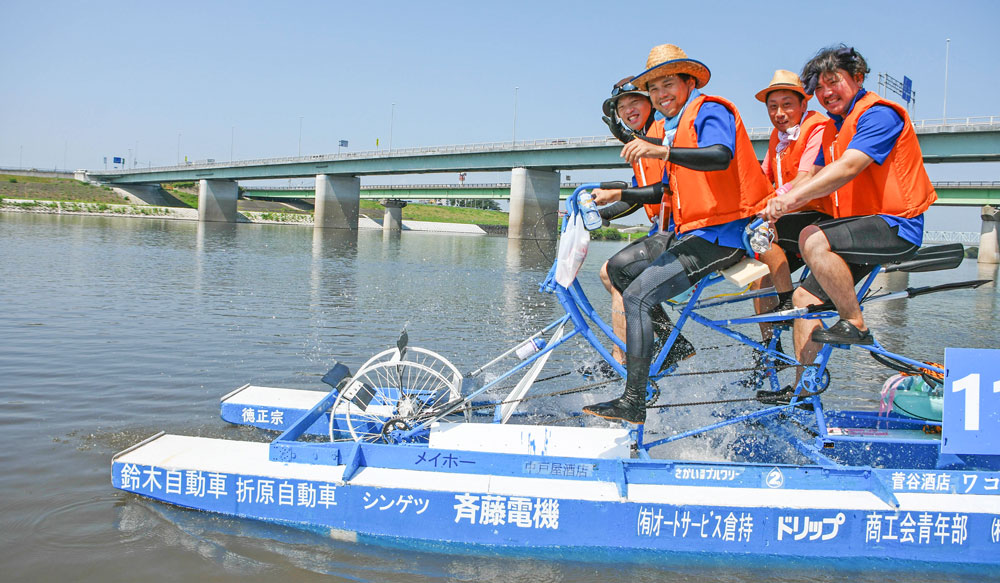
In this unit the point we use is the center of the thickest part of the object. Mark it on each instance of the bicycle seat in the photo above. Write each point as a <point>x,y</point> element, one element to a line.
<point>934,258</point>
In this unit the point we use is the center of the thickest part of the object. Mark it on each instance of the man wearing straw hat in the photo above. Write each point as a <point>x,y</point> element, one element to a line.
<point>716,185</point>
<point>631,106</point>
<point>791,155</point>
<point>873,168</point>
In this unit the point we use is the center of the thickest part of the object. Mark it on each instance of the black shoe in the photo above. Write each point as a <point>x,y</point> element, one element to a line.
<point>843,332</point>
<point>619,409</point>
<point>785,305</point>
<point>600,370</point>
<point>681,350</point>
<point>631,406</point>
<point>782,397</point>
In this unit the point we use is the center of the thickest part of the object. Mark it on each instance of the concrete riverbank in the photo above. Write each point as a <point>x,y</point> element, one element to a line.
<point>190,214</point>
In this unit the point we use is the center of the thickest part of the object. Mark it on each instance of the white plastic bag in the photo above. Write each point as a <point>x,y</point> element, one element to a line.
<point>572,250</point>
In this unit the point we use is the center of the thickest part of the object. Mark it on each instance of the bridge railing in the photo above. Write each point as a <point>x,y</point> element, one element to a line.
<point>586,141</point>
<point>979,123</point>
<point>964,237</point>
<point>983,122</point>
<point>968,184</point>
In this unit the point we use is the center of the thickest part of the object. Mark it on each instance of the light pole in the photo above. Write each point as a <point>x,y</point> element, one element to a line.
<point>178,148</point>
<point>513,137</point>
<point>232,140</point>
<point>392,118</point>
<point>300,135</point>
<point>944,107</point>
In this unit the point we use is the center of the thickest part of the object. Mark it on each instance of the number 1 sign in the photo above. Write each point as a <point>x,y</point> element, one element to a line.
<point>971,422</point>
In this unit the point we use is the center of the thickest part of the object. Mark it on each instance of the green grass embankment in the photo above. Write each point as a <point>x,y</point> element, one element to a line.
<point>56,189</point>
<point>438,214</point>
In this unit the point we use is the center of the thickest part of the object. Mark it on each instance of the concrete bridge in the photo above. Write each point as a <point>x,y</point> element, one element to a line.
<point>535,170</point>
<point>968,193</point>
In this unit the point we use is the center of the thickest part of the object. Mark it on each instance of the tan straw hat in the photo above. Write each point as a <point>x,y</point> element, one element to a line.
<point>783,80</point>
<point>670,60</point>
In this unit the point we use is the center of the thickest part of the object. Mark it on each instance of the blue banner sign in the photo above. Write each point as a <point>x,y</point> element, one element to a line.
<point>907,89</point>
<point>971,420</point>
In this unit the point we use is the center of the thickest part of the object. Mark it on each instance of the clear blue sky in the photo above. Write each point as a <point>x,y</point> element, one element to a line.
<point>84,80</point>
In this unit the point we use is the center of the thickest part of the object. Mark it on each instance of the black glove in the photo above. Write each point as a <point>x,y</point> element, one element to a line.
<point>618,130</point>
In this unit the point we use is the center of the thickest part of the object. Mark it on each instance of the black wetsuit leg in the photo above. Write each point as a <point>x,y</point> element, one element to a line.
<point>679,267</point>
<point>627,264</point>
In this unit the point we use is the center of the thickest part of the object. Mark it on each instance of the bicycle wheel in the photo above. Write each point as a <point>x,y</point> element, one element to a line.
<point>390,397</point>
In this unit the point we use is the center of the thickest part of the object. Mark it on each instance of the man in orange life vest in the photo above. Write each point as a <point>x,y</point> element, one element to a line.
<point>716,187</point>
<point>873,167</point>
<point>791,154</point>
<point>631,106</point>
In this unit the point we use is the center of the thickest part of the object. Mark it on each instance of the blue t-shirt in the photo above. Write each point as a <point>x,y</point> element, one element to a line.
<point>878,130</point>
<point>717,125</point>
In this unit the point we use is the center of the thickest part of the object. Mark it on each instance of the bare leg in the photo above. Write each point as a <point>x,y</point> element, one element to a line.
<point>762,305</point>
<point>802,329</point>
<point>780,278</point>
<point>775,260</point>
<point>617,313</point>
<point>833,274</point>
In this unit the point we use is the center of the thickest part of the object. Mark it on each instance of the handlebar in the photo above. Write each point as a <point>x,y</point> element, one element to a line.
<point>572,206</point>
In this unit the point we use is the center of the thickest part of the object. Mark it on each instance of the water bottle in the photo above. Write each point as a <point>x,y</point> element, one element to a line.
<point>529,347</point>
<point>591,217</point>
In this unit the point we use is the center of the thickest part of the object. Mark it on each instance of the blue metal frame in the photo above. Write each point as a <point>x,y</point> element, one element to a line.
<point>581,313</point>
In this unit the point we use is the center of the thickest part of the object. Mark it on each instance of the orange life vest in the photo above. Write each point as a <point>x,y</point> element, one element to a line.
<point>788,161</point>
<point>702,199</point>
<point>650,170</point>
<point>899,186</point>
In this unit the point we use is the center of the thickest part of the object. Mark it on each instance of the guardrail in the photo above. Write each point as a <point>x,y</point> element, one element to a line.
<point>980,123</point>
<point>953,184</point>
<point>485,147</point>
<point>968,184</point>
<point>965,237</point>
<point>404,186</point>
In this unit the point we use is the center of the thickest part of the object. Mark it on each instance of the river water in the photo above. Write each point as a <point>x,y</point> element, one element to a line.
<point>112,329</point>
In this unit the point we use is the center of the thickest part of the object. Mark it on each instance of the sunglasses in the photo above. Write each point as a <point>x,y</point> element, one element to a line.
<point>623,88</point>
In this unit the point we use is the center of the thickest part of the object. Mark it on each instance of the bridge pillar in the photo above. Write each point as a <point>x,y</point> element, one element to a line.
<point>534,204</point>
<point>989,246</point>
<point>338,202</point>
<point>393,218</point>
<point>217,201</point>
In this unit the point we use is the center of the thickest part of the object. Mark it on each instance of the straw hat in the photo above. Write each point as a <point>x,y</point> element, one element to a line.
<point>669,60</point>
<point>783,80</point>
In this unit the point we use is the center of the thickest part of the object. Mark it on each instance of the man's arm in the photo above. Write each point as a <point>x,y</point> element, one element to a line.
<point>827,179</point>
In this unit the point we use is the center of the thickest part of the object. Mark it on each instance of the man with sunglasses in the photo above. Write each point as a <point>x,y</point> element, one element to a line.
<point>716,187</point>
<point>873,167</point>
<point>630,106</point>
